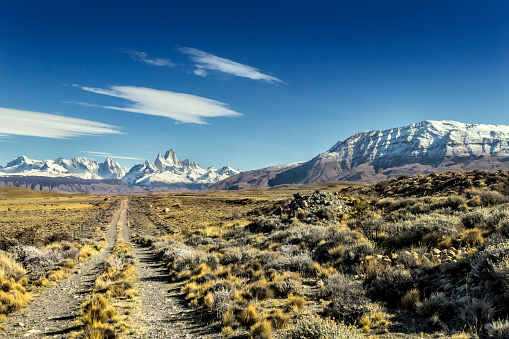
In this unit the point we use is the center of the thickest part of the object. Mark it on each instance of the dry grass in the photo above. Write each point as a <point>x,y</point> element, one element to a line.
<point>40,218</point>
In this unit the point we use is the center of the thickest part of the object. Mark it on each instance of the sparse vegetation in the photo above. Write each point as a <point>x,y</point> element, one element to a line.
<point>428,253</point>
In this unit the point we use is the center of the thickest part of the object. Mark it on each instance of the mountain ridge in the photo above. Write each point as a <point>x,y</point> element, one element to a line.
<point>424,147</point>
<point>165,172</point>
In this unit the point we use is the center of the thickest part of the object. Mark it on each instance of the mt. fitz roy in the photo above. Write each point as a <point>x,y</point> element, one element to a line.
<point>78,174</point>
<point>168,171</point>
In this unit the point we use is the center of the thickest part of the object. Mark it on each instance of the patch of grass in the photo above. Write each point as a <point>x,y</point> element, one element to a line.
<point>262,330</point>
<point>315,327</point>
<point>295,303</point>
<point>279,319</point>
<point>410,299</point>
<point>97,311</point>
<point>249,316</point>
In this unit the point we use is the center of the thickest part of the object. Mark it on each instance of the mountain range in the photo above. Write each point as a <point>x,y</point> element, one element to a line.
<point>84,175</point>
<point>424,147</point>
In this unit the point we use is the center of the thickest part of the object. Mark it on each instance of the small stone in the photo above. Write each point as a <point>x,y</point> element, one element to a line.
<point>463,300</point>
<point>448,287</point>
<point>436,251</point>
<point>20,324</point>
<point>31,332</point>
<point>444,267</point>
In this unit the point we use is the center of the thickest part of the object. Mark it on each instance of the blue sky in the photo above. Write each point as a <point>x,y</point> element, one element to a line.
<point>247,84</point>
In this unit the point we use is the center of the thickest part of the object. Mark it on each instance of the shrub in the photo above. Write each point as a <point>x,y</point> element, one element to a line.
<point>410,232</point>
<point>490,198</point>
<point>315,327</point>
<point>303,264</point>
<point>499,329</point>
<point>262,330</point>
<point>97,311</point>
<point>349,301</point>
<point>249,316</point>
<point>478,311</point>
<point>295,303</point>
<point>279,319</point>
<point>481,218</point>
<point>358,251</point>
<point>504,229</point>
<point>472,237</point>
<point>391,285</point>
<point>287,286</point>
<point>410,299</point>
<point>434,324</point>
<point>437,304</point>
<point>9,267</point>
<point>221,295</point>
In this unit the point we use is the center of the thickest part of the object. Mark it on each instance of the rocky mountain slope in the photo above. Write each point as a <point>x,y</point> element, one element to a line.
<point>83,175</point>
<point>424,147</point>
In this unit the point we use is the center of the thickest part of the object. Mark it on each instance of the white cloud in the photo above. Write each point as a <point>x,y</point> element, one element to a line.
<point>18,122</point>
<point>206,61</point>
<point>185,108</point>
<point>105,154</point>
<point>142,56</point>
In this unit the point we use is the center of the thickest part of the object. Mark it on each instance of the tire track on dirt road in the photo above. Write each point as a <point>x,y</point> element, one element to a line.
<point>54,311</point>
<point>161,313</point>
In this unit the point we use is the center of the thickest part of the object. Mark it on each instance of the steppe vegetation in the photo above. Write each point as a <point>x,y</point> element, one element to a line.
<point>413,255</point>
<point>42,237</point>
<point>404,258</point>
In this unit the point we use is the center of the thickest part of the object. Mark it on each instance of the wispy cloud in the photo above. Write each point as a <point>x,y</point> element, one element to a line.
<point>18,122</point>
<point>142,56</point>
<point>105,154</point>
<point>206,61</point>
<point>185,108</point>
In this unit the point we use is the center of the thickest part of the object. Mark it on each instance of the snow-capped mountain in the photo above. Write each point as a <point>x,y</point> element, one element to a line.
<point>424,147</point>
<point>169,171</point>
<point>81,167</point>
<point>165,172</point>
<point>426,143</point>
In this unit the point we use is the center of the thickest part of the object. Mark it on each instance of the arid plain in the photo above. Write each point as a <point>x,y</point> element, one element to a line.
<point>405,258</point>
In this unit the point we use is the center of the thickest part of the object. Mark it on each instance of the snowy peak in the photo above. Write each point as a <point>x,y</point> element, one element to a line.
<point>171,157</point>
<point>111,170</point>
<point>160,162</point>
<point>426,143</point>
<point>169,171</point>
<point>370,156</point>
<point>165,171</point>
<point>83,168</point>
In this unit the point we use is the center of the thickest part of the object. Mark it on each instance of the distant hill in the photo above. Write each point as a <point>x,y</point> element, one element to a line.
<point>19,192</point>
<point>425,147</point>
